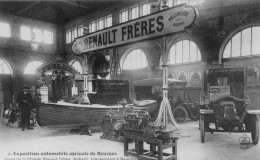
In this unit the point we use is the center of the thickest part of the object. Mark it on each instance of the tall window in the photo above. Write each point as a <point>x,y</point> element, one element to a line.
<point>68,36</point>
<point>172,3</point>
<point>177,2</point>
<point>77,66</point>
<point>135,60</point>
<point>48,37</point>
<point>80,31</point>
<point>100,24</point>
<point>5,67</point>
<point>32,66</point>
<point>108,21</point>
<point>183,52</point>
<point>244,43</point>
<point>146,9</point>
<point>74,34</point>
<point>5,30</point>
<point>92,27</point>
<point>134,12</point>
<point>26,33</point>
<point>195,2</point>
<point>36,34</point>
<point>123,16</point>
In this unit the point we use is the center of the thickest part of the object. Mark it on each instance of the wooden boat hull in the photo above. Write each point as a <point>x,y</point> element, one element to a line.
<point>67,116</point>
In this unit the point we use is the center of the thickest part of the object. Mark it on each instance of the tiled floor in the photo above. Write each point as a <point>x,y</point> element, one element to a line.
<point>42,144</point>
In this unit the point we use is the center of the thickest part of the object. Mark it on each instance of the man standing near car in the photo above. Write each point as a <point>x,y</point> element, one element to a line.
<point>24,100</point>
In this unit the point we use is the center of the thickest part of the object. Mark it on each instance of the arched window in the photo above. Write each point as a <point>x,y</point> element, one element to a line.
<point>136,59</point>
<point>5,67</point>
<point>188,2</point>
<point>32,66</point>
<point>244,43</point>
<point>184,51</point>
<point>77,66</point>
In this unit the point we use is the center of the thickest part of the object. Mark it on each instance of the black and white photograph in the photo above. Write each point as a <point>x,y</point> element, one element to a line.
<point>129,79</point>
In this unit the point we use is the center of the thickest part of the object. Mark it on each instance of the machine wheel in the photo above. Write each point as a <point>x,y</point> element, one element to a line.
<point>255,132</point>
<point>202,128</point>
<point>180,114</point>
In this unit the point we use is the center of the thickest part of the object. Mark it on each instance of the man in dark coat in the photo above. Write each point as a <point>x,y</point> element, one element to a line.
<point>25,100</point>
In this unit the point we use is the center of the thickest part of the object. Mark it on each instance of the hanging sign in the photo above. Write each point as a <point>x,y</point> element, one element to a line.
<point>44,94</point>
<point>55,67</point>
<point>158,24</point>
<point>217,91</point>
<point>226,70</point>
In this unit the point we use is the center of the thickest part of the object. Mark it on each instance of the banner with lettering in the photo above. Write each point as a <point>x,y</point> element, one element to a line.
<point>158,24</point>
<point>56,67</point>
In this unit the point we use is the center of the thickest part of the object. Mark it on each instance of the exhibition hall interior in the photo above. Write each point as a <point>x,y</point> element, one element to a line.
<point>129,79</point>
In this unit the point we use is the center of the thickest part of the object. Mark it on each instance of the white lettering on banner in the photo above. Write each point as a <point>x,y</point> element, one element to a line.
<point>56,66</point>
<point>180,13</point>
<point>226,70</point>
<point>158,24</point>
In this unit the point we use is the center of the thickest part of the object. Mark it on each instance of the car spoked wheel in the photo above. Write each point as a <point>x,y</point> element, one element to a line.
<point>180,114</point>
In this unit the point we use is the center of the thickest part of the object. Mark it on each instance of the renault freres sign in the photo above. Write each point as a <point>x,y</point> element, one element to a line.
<point>158,24</point>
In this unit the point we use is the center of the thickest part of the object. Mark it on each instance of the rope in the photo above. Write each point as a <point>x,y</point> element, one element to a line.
<point>164,114</point>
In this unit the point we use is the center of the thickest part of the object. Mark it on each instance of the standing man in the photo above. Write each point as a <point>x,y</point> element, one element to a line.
<point>24,100</point>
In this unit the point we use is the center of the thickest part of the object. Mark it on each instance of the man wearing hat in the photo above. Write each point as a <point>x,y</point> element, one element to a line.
<point>25,100</point>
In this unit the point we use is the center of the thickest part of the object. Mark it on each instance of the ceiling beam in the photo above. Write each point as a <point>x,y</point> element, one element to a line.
<point>27,8</point>
<point>76,4</point>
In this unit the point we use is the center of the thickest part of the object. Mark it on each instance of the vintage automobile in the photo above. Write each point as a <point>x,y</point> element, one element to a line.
<point>182,103</point>
<point>181,107</point>
<point>225,103</point>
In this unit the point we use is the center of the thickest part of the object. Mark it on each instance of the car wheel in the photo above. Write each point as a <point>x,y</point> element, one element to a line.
<point>180,114</point>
